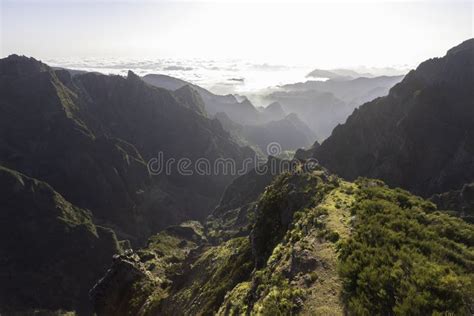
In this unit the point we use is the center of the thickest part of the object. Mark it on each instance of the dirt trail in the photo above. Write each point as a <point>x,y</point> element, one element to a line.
<point>325,293</point>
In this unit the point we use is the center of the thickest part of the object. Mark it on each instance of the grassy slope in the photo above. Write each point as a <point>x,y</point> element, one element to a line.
<point>355,247</point>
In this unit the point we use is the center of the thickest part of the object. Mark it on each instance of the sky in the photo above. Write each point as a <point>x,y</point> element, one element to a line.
<point>327,34</point>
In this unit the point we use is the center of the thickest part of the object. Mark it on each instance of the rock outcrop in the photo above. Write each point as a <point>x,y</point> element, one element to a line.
<point>315,244</point>
<point>460,202</point>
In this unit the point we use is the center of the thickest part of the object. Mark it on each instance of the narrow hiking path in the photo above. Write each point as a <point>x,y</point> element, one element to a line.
<point>324,296</point>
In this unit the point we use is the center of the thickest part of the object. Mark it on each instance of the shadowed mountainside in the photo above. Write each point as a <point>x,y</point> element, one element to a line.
<point>51,252</point>
<point>420,136</point>
<point>90,136</point>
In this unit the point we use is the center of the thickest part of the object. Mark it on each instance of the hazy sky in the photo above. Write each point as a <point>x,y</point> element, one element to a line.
<point>326,34</point>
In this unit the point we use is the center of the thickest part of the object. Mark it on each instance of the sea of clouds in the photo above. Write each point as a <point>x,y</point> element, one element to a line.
<point>219,76</point>
<point>238,77</point>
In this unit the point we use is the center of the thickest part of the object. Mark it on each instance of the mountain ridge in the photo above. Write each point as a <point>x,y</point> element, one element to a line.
<point>382,139</point>
<point>94,136</point>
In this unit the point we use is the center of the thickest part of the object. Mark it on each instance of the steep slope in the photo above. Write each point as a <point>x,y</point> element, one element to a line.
<point>420,136</point>
<point>233,216</point>
<point>44,136</point>
<point>191,99</point>
<point>51,252</point>
<point>301,248</point>
<point>90,136</point>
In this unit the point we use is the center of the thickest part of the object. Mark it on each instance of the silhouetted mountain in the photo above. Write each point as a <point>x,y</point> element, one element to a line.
<point>320,110</point>
<point>51,252</point>
<point>350,91</point>
<point>290,133</point>
<point>324,104</point>
<point>420,136</point>
<point>339,74</point>
<point>236,131</point>
<point>273,112</point>
<point>242,112</point>
<point>347,74</point>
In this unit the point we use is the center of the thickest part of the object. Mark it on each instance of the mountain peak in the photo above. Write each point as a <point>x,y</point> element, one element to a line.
<point>191,99</point>
<point>133,76</point>
<point>247,104</point>
<point>186,89</point>
<point>274,107</point>
<point>466,45</point>
<point>21,65</point>
<point>293,117</point>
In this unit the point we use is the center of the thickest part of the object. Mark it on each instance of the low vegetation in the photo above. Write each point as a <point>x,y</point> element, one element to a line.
<point>406,258</point>
<point>319,245</point>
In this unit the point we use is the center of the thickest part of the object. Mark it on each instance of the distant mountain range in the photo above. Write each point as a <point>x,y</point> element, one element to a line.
<point>242,112</point>
<point>336,74</point>
<point>324,104</point>
<point>245,122</point>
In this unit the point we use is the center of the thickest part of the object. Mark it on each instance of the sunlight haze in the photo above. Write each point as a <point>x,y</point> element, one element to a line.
<point>332,34</point>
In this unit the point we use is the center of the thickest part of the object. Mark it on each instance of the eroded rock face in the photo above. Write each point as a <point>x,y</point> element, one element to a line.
<point>137,281</point>
<point>274,214</point>
<point>124,288</point>
<point>461,202</point>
